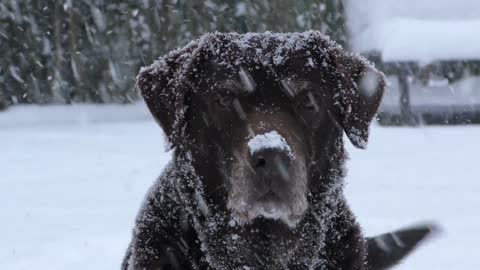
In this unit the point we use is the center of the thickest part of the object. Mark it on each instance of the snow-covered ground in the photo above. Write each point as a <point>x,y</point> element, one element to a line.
<point>72,180</point>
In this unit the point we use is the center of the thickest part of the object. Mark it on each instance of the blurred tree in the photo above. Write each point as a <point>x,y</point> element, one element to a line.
<point>68,51</point>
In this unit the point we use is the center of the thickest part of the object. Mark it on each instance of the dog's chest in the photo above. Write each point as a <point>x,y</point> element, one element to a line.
<point>256,250</point>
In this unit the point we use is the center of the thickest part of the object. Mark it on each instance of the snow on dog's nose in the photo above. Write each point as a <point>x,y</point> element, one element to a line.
<point>269,140</point>
<point>270,155</point>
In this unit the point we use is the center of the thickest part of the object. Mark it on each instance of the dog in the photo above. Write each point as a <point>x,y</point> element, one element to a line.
<point>256,122</point>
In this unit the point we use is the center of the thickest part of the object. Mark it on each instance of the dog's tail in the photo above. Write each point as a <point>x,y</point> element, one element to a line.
<point>387,250</point>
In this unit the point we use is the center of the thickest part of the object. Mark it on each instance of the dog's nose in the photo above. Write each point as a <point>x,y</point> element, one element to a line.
<point>271,163</point>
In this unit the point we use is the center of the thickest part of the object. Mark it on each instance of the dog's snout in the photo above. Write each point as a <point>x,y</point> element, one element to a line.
<point>270,163</point>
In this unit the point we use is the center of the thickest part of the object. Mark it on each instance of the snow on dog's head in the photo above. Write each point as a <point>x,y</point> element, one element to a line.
<point>262,115</point>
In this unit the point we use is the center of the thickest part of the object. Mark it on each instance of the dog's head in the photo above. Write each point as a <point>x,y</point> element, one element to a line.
<point>262,114</point>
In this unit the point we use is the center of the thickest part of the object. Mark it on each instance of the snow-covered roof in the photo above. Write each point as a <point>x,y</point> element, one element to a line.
<point>423,40</point>
<point>416,30</point>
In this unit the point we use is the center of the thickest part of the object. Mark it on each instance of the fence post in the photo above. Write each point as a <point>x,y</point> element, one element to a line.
<point>408,117</point>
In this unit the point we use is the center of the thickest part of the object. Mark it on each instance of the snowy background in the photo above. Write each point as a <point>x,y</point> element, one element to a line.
<point>424,30</point>
<point>73,177</point>
<point>72,182</point>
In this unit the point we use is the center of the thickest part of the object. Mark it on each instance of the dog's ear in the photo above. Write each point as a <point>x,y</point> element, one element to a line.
<point>167,84</point>
<point>355,93</point>
<point>164,96</point>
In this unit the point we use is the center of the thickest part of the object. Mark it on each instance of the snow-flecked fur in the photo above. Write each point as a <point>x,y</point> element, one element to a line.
<point>180,71</point>
<point>180,226</point>
<point>172,222</point>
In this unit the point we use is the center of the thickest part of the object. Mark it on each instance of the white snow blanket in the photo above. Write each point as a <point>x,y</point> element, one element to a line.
<point>74,188</point>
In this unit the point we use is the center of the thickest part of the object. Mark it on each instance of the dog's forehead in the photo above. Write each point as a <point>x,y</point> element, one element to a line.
<point>227,59</point>
<point>268,48</point>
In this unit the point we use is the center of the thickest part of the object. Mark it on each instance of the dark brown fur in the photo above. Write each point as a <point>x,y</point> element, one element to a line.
<point>191,218</point>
